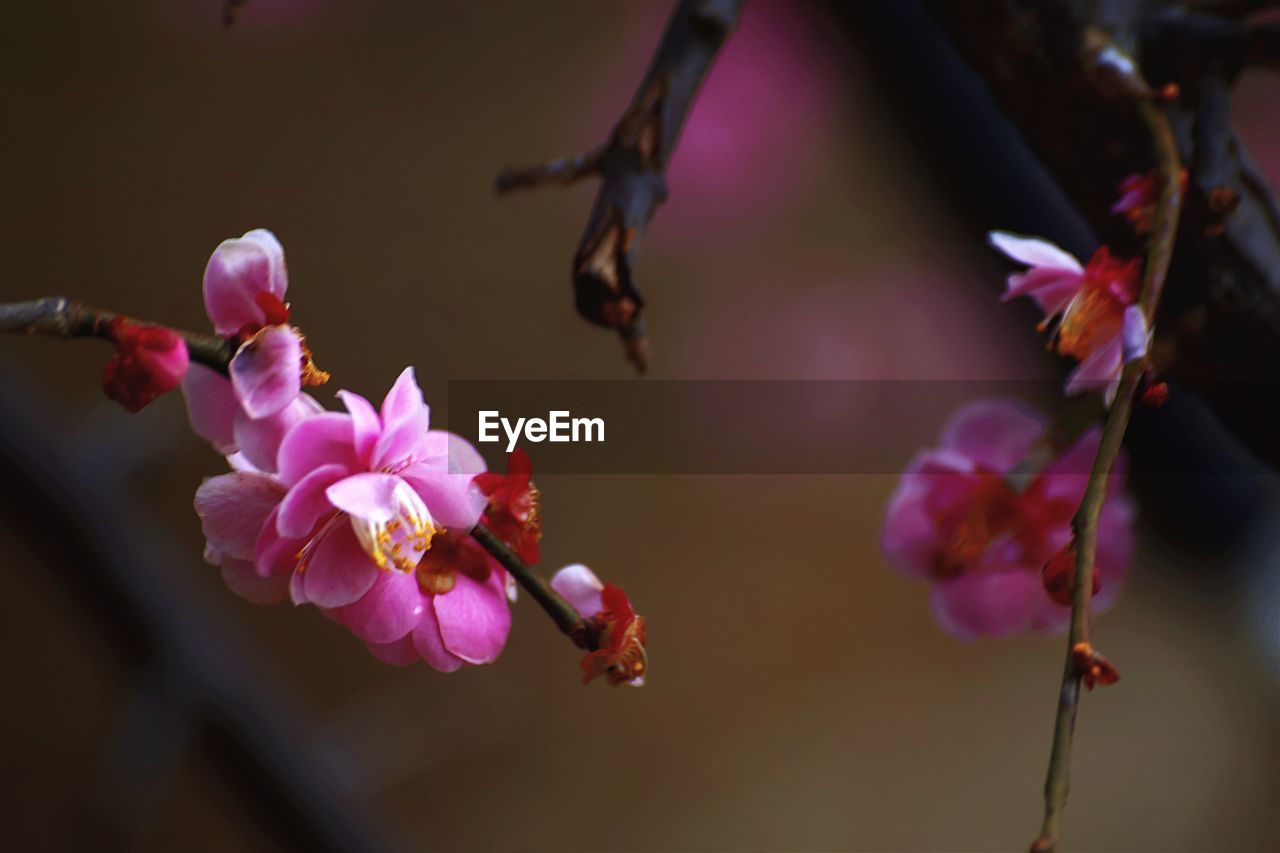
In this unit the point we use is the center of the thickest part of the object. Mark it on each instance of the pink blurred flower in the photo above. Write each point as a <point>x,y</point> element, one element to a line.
<point>615,634</point>
<point>1137,202</point>
<point>955,522</point>
<point>148,361</point>
<point>1092,300</point>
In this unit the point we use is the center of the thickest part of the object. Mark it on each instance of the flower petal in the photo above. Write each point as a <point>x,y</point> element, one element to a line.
<point>339,571</point>
<point>402,652</point>
<point>474,618</point>
<point>237,272</point>
<point>366,425</point>
<point>428,642</point>
<point>405,421</point>
<point>1099,372</point>
<point>993,433</point>
<point>233,508</point>
<point>1135,334</point>
<point>243,579</point>
<point>266,371</point>
<point>369,496</point>
<point>581,588</point>
<point>323,440</point>
<point>1033,251</point>
<point>306,503</point>
<point>211,407</point>
<point>259,440</point>
<point>454,500</point>
<point>388,611</point>
<point>988,605</point>
<point>274,554</point>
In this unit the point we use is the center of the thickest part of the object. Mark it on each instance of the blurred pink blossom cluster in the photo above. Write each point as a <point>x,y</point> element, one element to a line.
<point>990,550</point>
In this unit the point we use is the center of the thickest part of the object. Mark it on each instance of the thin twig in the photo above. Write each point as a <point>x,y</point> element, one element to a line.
<point>570,623</point>
<point>1159,255</point>
<point>632,166</point>
<point>58,317</point>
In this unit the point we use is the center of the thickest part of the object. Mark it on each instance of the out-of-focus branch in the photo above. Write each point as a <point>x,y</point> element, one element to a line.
<point>632,167</point>
<point>58,317</point>
<point>1223,309</point>
<point>1080,654</point>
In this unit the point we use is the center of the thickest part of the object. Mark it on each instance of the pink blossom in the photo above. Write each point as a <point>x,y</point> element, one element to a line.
<point>1090,299</point>
<point>244,286</point>
<point>352,519</point>
<point>616,633</point>
<point>956,522</point>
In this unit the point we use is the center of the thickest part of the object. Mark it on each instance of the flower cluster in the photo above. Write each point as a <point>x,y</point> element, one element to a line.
<point>995,554</point>
<point>365,514</point>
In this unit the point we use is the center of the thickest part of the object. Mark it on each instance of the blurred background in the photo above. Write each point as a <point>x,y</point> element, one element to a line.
<point>801,697</point>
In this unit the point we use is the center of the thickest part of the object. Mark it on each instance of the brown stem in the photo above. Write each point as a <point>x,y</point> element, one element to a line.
<point>58,317</point>
<point>1159,254</point>
<point>632,166</point>
<point>567,619</point>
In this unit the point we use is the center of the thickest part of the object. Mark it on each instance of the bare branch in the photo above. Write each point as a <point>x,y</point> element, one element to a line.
<point>632,166</point>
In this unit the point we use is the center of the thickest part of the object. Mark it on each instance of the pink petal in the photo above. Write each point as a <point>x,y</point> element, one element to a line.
<point>988,605</point>
<point>211,407</point>
<point>365,422</point>
<point>266,372</point>
<point>474,618</point>
<point>429,644</point>
<point>454,501</point>
<point>242,579</point>
<point>993,433</point>
<point>259,440</point>
<point>323,440</point>
<point>367,496</point>
<point>388,611</point>
<point>233,508</point>
<point>1099,372</point>
<point>236,273</point>
<point>402,652</point>
<point>1033,251</point>
<point>1135,334</point>
<point>581,588</point>
<point>1051,289</point>
<point>274,554</point>
<point>306,503</point>
<point>405,421</point>
<point>339,571</point>
<point>447,451</point>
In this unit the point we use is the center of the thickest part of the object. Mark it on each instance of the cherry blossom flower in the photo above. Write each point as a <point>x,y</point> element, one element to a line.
<point>251,409</point>
<point>615,633</point>
<point>148,361</point>
<point>512,511</point>
<point>352,519</point>
<point>368,490</point>
<point>1092,301</point>
<point>956,522</point>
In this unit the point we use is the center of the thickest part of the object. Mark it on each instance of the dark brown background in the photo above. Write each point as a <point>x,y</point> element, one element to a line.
<point>801,695</point>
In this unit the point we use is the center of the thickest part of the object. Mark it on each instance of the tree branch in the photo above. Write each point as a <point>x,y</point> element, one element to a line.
<point>632,167</point>
<point>58,317</point>
<point>1155,271</point>
<point>570,623</point>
